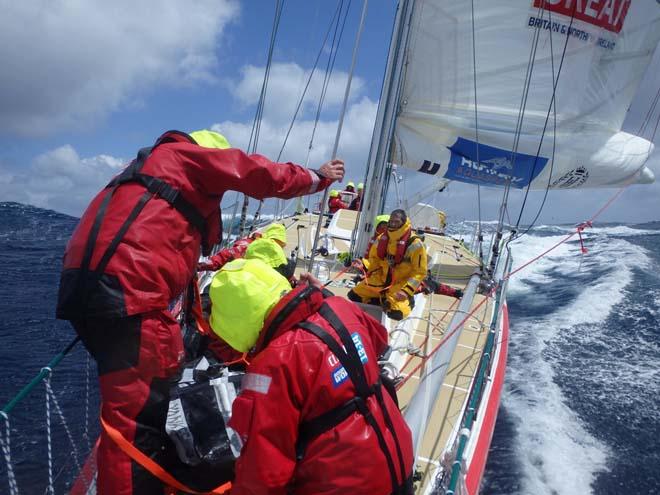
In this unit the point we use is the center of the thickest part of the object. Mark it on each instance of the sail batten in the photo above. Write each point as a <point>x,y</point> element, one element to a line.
<point>562,111</point>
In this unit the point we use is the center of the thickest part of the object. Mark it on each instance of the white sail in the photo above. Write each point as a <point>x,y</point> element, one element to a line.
<point>610,43</point>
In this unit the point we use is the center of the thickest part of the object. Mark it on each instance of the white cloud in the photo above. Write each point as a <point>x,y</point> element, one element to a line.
<point>353,145</point>
<point>286,82</point>
<point>65,64</point>
<point>60,180</point>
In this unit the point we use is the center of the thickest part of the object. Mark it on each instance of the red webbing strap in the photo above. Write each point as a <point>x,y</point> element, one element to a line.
<point>579,229</point>
<point>203,326</point>
<point>147,463</point>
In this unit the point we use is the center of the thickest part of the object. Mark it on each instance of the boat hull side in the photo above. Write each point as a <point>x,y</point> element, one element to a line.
<point>486,424</point>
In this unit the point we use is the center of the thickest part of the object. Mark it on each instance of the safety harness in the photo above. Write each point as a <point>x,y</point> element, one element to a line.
<point>155,188</point>
<point>349,358</point>
<point>401,246</point>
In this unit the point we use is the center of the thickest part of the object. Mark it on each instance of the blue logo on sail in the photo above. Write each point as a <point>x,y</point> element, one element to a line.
<point>494,167</point>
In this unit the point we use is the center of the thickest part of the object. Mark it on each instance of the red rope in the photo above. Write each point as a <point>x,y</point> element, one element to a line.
<point>405,365</point>
<point>578,231</point>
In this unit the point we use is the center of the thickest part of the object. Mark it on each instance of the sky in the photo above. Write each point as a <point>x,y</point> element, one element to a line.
<point>85,84</point>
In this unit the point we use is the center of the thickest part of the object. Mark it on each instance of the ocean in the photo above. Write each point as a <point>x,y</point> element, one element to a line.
<point>579,412</point>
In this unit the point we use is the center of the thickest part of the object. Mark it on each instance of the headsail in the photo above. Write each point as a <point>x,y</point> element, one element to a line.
<point>518,52</point>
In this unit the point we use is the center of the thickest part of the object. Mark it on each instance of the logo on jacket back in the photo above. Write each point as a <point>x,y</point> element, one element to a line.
<point>494,167</point>
<point>607,14</point>
<point>339,375</point>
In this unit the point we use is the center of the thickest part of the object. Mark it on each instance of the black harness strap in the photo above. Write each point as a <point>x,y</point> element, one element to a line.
<point>349,358</point>
<point>326,421</point>
<point>161,189</point>
<point>156,188</point>
<point>112,247</point>
<point>285,312</point>
<point>331,317</point>
<point>93,234</point>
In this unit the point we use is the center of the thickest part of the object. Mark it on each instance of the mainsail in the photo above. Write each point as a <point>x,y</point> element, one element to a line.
<point>553,80</point>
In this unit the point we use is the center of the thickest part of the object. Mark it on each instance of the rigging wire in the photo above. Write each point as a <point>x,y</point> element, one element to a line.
<point>649,114</point>
<point>334,48</point>
<point>551,106</point>
<point>480,236</point>
<point>256,124</point>
<point>340,124</point>
<point>309,80</point>
<point>521,115</point>
<point>328,72</point>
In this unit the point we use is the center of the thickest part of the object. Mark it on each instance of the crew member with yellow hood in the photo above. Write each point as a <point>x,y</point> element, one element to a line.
<point>312,413</point>
<point>270,252</point>
<point>335,203</point>
<point>275,231</point>
<point>396,268</point>
<point>127,267</point>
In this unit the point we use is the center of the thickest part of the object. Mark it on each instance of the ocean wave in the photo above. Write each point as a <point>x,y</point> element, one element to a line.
<point>555,448</point>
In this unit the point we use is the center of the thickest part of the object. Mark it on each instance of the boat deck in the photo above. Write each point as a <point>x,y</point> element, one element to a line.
<point>451,263</point>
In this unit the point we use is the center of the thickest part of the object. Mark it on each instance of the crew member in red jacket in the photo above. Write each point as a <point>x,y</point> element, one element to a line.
<point>313,415</point>
<point>224,256</point>
<point>129,262</point>
<point>335,203</point>
<point>275,231</point>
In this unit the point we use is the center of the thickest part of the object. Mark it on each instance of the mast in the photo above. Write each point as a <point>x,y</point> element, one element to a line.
<point>342,113</point>
<point>378,167</point>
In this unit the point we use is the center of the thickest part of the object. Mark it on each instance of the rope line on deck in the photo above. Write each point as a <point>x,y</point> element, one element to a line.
<point>578,231</point>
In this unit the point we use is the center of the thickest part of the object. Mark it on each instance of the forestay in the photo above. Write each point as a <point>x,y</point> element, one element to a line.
<point>608,45</point>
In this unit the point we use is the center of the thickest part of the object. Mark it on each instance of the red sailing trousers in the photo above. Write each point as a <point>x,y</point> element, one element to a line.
<point>136,356</point>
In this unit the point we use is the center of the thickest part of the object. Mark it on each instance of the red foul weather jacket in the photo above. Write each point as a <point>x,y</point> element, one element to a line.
<point>224,256</point>
<point>295,378</point>
<point>335,204</point>
<point>156,256</point>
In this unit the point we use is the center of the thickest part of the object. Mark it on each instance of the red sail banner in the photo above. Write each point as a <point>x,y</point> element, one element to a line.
<point>607,14</point>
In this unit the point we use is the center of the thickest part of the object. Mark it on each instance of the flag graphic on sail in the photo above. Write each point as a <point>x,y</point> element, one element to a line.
<point>554,79</point>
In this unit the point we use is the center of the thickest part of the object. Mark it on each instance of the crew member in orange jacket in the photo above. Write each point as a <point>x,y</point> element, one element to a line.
<point>312,412</point>
<point>130,260</point>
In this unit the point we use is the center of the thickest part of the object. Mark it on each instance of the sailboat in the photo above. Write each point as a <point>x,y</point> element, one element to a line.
<point>517,95</point>
<point>511,94</point>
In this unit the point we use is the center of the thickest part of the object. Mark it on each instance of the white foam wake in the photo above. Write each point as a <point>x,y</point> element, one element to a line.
<point>557,454</point>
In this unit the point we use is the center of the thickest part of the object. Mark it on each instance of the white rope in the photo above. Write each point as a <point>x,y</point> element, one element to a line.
<point>86,432</point>
<point>64,423</point>
<point>6,450</point>
<point>50,489</point>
